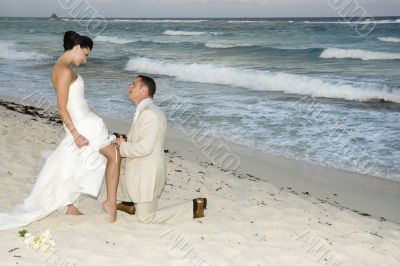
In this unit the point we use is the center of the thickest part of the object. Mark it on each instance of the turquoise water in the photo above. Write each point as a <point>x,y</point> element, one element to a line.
<point>309,89</point>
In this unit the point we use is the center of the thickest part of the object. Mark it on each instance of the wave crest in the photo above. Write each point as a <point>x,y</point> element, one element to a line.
<point>8,51</point>
<point>247,21</point>
<point>264,80</point>
<point>389,39</point>
<point>184,33</point>
<point>218,45</point>
<point>385,21</point>
<point>358,54</point>
<point>226,45</point>
<point>160,20</point>
<point>111,39</point>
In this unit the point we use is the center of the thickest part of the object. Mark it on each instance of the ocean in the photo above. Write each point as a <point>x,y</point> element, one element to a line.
<point>310,89</point>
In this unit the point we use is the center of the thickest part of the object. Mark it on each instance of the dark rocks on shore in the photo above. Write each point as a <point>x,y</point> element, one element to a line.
<point>35,112</point>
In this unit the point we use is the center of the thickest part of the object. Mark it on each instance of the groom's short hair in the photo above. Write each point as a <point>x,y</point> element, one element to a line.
<point>149,83</point>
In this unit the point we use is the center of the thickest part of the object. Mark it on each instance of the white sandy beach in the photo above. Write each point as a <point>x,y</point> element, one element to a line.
<point>270,212</point>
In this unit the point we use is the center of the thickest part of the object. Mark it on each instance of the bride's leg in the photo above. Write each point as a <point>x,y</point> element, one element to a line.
<point>112,178</point>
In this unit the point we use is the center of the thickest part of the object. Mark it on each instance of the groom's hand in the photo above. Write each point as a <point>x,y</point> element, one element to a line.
<point>119,140</point>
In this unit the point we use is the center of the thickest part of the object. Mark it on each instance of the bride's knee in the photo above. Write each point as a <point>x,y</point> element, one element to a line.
<point>114,159</point>
<point>112,154</point>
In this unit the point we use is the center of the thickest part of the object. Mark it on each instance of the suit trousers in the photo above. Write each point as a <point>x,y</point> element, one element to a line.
<point>149,213</point>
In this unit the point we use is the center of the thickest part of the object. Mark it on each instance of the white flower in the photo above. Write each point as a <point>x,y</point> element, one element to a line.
<point>42,242</point>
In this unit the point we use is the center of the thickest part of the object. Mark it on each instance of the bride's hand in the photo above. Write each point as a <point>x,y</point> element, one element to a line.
<point>81,141</point>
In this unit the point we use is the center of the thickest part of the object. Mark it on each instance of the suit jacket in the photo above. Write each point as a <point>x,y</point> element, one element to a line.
<point>145,173</point>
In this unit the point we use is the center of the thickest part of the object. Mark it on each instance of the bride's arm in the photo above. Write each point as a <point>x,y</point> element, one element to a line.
<point>61,81</point>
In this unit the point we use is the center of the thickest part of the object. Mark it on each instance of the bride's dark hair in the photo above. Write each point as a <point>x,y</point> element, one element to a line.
<point>71,38</point>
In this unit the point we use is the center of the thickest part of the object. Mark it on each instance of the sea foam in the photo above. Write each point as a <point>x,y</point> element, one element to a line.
<point>389,39</point>
<point>8,51</point>
<point>264,80</point>
<point>358,54</point>
<point>111,39</point>
<point>184,33</point>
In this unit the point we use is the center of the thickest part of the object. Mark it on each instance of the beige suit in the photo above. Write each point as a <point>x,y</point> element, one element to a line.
<point>144,151</point>
<point>145,173</point>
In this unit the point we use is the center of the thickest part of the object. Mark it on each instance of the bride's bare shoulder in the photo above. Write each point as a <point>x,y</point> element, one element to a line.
<point>62,75</point>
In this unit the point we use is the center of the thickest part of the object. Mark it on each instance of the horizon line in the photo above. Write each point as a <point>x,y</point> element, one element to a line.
<point>233,17</point>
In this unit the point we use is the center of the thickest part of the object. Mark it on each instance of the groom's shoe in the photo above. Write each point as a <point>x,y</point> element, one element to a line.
<point>128,207</point>
<point>199,205</point>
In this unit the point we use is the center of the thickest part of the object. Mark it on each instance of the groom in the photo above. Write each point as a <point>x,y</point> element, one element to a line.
<point>145,174</point>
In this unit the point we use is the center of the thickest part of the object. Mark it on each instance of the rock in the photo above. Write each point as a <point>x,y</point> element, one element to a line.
<point>53,17</point>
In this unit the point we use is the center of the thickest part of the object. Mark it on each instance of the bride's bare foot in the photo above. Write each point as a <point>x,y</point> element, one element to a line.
<point>111,210</point>
<point>72,210</point>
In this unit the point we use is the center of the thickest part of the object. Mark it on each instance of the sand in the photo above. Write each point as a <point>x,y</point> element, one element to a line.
<point>270,211</point>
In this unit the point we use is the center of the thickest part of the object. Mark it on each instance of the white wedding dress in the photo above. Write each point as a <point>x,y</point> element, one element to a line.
<point>68,172</point>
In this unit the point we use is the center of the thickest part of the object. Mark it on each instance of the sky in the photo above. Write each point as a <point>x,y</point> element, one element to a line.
<point>194,8</point>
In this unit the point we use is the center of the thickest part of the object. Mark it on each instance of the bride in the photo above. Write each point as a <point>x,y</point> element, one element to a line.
<point>83,157</point>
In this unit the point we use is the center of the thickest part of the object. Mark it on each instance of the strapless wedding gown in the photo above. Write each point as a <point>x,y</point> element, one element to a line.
<point>68,172</point>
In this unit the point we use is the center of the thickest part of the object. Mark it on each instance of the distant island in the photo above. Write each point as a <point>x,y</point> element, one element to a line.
<point>53,17</point>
